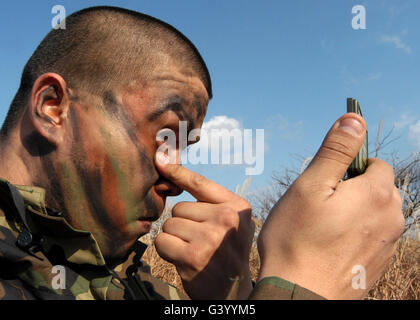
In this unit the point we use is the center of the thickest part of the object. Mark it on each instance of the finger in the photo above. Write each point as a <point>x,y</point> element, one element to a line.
<point>339,148</point>
<point>203,211</point>
<point>381,172</point>
<point>184,229</point>
<point>170,248</point>
<point>195,211</point>
<point>226,215</point>
<point>200,187</point>
<point>398,199</point>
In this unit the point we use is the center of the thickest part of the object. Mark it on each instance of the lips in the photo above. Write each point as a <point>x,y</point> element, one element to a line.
<point>151,219</point>
<point>157,199</point>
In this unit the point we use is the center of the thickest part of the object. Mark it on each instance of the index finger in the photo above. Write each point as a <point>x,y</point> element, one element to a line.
<point>381,172</point>
<point>199,186</point>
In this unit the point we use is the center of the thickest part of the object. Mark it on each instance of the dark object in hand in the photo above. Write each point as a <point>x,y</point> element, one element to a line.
<point>359,164</point>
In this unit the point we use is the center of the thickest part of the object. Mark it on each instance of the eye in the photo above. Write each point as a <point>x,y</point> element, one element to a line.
<point>166,134</point>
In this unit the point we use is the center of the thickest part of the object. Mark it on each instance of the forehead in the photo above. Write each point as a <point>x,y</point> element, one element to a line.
<point>166,91</point>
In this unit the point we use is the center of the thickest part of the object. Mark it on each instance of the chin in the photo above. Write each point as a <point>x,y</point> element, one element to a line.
<point>154,204</point>
<point>118,251</point>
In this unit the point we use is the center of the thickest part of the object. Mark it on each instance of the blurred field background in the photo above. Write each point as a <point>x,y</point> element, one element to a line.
<point>400,281</point>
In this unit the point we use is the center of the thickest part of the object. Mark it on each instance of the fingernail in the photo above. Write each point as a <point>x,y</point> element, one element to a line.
<point>162,158</point>
<point>352,126</point>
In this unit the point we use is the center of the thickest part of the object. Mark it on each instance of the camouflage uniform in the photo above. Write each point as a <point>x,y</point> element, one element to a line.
<point>34,239</point>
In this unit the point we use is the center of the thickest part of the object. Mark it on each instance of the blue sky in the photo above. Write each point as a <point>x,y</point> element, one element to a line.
<point>283,66</point>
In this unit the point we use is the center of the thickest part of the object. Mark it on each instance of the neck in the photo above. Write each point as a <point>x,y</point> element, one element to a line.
<point>21,163</point>
<point>15,162</point>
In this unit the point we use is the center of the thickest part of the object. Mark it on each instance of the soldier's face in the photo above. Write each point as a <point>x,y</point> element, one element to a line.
<point>110,183</point>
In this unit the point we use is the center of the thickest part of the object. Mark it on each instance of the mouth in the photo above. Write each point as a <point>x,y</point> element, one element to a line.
<point>154,204</point>
<point>150,219</point>
<point>156,200</point>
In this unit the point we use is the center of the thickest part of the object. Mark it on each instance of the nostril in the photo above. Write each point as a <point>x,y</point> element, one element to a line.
<point>176,191</point>
<point>166,188</point>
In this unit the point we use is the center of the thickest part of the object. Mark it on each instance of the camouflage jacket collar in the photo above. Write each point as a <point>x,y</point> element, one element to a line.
<point>31,275</point>
<point>80,247</point>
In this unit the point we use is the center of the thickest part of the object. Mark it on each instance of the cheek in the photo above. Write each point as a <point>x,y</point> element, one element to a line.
<point>142,162</point>
<point>116,207</point>
<point>126,183</point>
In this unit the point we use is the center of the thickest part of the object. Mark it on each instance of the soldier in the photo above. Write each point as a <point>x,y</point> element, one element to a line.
<point>81,182</point>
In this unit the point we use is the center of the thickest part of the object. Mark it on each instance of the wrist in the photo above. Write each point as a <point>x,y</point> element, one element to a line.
<point>245,287</point>
<point>314,278</point>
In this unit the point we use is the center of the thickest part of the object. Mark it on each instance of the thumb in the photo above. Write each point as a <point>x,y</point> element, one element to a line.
<point>338,150</point>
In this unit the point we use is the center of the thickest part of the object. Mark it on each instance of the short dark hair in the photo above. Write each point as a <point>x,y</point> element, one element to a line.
<point>102,46</point>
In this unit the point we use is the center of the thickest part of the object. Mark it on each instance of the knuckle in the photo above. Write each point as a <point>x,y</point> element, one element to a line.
<point>390,169</point>
<point>228,217</point>
<point>166,226</point>
<point>243,204</point>
<point>214,238</point>
<point>334,149</point>
<point>398,197</point>
<point>176,209</point>
<point>175,172</point>
<point>198,257</point>
<point>383,195</point>
<point>158,242</point>
<point>385,167</point>
<point>196,181</point>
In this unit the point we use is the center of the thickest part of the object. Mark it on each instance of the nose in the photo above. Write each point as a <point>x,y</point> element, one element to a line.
<point>172,189</point>
<point>166,188</point>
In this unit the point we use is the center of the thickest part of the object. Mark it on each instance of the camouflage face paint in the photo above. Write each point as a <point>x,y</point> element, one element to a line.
<point>106,173</point>
<point>174,103</point>
<point>100,182</point>
<point>75,197</point>
<point>91,182</point>
<point>149,174</point>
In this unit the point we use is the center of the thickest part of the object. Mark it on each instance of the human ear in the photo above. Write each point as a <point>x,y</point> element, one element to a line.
<point>48,107</point>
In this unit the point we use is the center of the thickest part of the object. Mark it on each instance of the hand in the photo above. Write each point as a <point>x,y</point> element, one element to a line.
<point>321,228</point>
<point>209,240</point>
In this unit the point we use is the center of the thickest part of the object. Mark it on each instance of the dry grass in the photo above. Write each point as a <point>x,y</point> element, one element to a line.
<point>160,268</point>
<point>401,280</point>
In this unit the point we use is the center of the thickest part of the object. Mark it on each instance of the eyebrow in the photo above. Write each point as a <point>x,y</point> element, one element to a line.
<point>174,104</point>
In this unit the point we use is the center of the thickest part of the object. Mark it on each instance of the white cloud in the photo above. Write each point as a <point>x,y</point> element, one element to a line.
<point>405,120</point>
<point>396,41</point>
<point>221,122</point>
<point>414,134</point>
<point>213,133</point>
<point>214,125</point>
<point>225,141</point>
